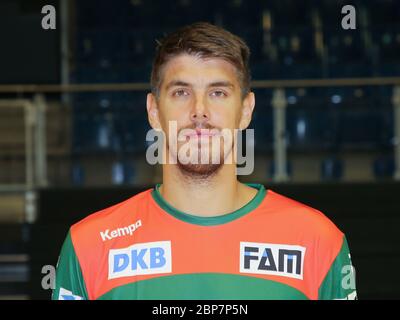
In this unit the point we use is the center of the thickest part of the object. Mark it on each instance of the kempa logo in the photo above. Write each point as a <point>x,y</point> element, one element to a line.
<point>120,232</point>
<point>140,258</point>
<point>274,259</point>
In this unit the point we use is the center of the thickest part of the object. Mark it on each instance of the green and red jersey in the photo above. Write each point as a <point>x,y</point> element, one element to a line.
<point>143,248</point>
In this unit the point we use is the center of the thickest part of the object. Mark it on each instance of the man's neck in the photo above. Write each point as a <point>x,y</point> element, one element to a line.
<point>217,195</point>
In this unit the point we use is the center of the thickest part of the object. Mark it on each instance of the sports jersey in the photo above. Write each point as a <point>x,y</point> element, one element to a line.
<point>143,248</point>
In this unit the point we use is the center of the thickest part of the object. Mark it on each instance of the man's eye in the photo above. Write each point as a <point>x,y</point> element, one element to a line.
<point>180,93</point>
<point>218,93</point>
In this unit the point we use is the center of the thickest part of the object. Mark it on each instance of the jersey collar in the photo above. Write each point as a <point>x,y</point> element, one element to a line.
<point>211,221</point>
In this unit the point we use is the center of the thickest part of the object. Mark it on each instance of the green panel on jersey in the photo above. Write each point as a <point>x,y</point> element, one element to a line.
<point>211,221</point>
<point>69,279</point>
<point>339,282</point>
<point>202,286</point>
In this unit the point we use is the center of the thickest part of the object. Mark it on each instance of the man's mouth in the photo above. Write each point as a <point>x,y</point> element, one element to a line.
<point>202,133</point>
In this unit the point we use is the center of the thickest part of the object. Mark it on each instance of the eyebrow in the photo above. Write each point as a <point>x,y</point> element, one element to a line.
<point>177,83</point>
<point>180,83</point>
<point>221,84</point>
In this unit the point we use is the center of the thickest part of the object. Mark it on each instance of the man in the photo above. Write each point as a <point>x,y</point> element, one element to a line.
<point>202,234</point>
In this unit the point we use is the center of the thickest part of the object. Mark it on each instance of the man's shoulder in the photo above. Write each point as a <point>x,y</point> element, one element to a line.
<point>124,212</point>
<point>297,215</point>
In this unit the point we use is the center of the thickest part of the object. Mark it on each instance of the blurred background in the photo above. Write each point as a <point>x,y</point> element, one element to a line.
<point>73,119</point>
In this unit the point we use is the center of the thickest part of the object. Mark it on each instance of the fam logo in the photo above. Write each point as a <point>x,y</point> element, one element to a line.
<point>140,258</point>
<point>274,259</point>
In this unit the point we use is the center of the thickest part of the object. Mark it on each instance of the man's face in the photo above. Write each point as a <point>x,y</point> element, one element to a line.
<point>200,94</point>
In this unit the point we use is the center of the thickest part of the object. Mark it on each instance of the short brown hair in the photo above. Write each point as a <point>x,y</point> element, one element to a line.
<point>206,41</point>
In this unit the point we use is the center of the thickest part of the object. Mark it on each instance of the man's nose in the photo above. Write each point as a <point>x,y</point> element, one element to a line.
<point>199,112</point>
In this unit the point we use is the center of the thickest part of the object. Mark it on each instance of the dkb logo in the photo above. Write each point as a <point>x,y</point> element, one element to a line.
<point>141,258</point>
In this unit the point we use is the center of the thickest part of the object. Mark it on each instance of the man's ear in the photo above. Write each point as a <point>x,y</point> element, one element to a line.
<point>152,111</point>
<point>247,110</point>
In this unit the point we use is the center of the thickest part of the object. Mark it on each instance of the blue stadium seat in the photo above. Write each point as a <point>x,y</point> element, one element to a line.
<point>310,129</point>
<point>344,45</point>
<point>384,167</point>
<point>132,124</point>
<point>295,45</point>
<point>310,122</point>
<point>138,72</point>
<point>360,128</point>
<point>355,69</point>
<point>331,169</point>
<point>387,69</point>
<point>350,97</point>
<point>77,174</point>
<point>387,39</point>
<point>289,169</point>
<point>262,121</point>
<point>295,55</point>
<point>93,131</point>
<point>122,172</point>
<point>99,44</point>
<point>347,54</point>
<point>263,134</point>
